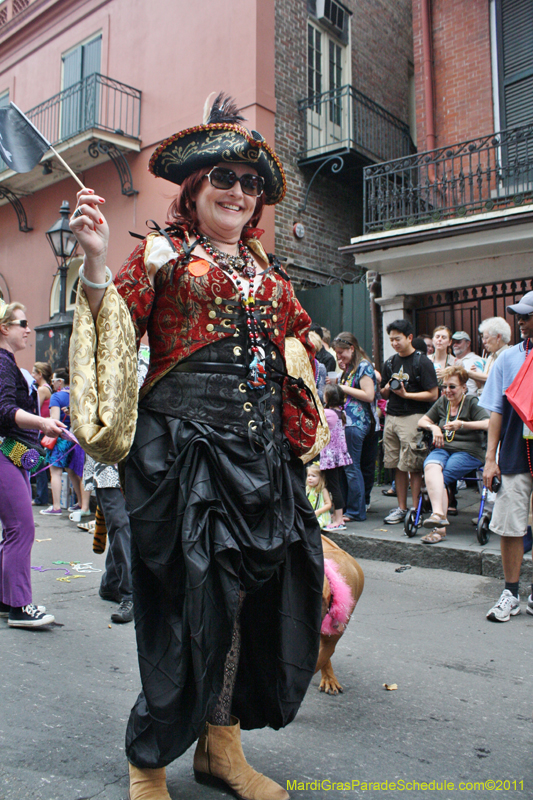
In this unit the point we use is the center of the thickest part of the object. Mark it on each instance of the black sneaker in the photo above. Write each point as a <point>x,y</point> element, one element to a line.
<point>28,617</point>
<point>113,597</point>
<point>124,612</point>
<point>5,609</point>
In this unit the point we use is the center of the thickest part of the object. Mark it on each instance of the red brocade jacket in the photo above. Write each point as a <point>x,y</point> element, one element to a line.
<point>190,306</point>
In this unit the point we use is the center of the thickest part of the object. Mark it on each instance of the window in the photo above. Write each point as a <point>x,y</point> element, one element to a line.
<point>328,88</point>
<point>514,33</point>
<point>79,109</point>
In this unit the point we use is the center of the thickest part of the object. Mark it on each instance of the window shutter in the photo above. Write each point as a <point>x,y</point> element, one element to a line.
<point>91,57</point>
<point>515,24</point>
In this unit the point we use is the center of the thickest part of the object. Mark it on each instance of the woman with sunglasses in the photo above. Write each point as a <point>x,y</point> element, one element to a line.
<point>457,423</point>
<point>227,562</point>
<point>19,423</point>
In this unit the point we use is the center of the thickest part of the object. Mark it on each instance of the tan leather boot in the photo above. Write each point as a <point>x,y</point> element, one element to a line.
<point>148,784</point>
<point>219,757</point>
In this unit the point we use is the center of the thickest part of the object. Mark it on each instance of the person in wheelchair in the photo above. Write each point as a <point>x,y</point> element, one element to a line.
<point>457,424</point>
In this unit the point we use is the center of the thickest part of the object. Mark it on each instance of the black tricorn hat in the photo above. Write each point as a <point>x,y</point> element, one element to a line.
<point>221,138</point>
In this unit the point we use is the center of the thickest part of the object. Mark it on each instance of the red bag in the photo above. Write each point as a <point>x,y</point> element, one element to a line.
<point>520,392</point>
<point>49,442</point>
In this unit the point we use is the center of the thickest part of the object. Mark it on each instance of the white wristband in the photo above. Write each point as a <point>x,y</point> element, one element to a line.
<point>87,282</point>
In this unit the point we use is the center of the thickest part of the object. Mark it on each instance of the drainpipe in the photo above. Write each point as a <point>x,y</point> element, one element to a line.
<point>429,106</point>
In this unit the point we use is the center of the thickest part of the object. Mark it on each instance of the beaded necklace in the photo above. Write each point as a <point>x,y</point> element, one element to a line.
<point>450,435</point>
<point>257,374</point>
<point>243,263</point>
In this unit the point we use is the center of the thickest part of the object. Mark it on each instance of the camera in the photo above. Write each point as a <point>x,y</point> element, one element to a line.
<point>496,483</point>
<point>395,383</point>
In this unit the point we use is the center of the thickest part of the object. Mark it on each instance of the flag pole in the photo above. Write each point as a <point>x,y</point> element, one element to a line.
<point>54,151</point>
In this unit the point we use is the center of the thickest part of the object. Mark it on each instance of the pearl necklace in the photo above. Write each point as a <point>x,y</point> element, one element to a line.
<point>243,263</point>
<point>450,435</point>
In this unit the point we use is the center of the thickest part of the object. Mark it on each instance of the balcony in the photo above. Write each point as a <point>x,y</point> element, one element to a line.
<point>9,9</point>
<point>96,109</point>
<point>345,121</point>
<point>484,175</point>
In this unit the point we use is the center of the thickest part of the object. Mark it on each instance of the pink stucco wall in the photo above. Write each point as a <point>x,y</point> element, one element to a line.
<point>176,52</point>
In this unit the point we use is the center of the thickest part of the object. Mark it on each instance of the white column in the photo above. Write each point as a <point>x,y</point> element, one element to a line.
<point>392,308</point>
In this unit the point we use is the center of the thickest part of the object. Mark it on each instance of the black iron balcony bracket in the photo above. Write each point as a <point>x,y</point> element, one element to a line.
<point>19,208</point>
<point>119,160</point>
<point>337,163</point>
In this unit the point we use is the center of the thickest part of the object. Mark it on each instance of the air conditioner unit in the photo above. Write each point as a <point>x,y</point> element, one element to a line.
<point>334,15</point>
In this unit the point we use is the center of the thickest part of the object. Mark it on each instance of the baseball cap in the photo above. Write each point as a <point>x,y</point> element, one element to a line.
<point>463,334</point>
<point>524,306</point>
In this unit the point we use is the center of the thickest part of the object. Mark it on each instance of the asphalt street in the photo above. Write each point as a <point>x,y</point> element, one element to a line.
<point>462,710</point>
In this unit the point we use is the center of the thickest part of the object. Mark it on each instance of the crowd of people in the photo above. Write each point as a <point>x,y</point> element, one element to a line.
<point>219,556</point>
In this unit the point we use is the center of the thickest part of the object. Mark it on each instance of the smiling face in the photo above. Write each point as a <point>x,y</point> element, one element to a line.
<point>453,389</point>
<point>223,213</point>
<point>13,336</point>
<point>344,356</point>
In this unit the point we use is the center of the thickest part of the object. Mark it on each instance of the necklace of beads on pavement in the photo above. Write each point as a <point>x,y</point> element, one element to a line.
<point>450,435</point>
<point>257,375</point>
<point>243,263</point>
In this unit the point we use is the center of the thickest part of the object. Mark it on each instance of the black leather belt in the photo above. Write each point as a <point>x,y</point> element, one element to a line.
<point>212,366</point>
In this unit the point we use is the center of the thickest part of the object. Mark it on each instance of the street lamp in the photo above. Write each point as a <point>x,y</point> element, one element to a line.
<point>63,243</point>
<point>52,338</point>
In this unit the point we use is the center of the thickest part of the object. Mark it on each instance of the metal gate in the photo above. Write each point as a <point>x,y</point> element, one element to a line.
<point>465,309</point>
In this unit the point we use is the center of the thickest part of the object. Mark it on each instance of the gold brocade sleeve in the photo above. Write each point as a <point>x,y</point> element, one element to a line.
<point>299,366</point>
<point>103,377</point>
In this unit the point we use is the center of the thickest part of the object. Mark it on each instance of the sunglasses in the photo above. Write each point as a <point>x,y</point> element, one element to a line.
<point>22,322</point>
<point>222,178</point>
<point>341,343</point>
<point>524,316</point>
<point>450,386</point>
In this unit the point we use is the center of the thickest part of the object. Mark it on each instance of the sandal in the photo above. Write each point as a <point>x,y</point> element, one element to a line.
<point>389,492</point>
<point>434,537</point>
<point>435,520</point>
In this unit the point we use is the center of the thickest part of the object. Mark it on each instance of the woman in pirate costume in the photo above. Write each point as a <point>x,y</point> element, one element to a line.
<point>226,553</point>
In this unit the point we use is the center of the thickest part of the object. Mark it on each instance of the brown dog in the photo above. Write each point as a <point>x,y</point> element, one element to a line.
<point>348,582</point>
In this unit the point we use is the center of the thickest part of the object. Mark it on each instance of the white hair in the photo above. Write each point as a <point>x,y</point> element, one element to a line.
<point>496,325</point>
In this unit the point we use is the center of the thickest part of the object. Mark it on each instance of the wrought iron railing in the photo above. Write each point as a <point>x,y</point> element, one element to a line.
<point>345,118</point>
<point>481,175</point>
<point>95,102</point>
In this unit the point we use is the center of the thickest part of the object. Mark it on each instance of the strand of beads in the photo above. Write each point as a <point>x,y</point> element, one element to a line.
<point>243,263</point>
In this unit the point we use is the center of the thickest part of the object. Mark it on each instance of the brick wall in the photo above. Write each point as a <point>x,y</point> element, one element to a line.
<point>462,71</point>
<point>381,49</point>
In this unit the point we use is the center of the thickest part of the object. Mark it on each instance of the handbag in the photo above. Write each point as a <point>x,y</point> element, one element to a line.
<point>303,419</point>
<point>22,453</point>
<point>49,442</point>
<point>519,392</point>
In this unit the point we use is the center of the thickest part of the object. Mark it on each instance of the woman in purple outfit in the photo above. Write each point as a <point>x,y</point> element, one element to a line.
<point>18,420</point>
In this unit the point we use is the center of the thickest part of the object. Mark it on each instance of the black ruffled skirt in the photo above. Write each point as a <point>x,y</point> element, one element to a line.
<point>213,512</point>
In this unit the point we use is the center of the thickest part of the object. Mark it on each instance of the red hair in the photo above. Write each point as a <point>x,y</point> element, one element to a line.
<point>182,211</point>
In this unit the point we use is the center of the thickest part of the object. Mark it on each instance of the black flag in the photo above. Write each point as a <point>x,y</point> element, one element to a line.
<point>21,144</point>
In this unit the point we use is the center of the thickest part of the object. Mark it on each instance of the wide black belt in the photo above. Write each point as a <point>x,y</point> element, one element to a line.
<point>212,366</point>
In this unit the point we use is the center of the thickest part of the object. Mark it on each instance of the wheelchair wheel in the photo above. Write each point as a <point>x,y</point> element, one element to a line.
<point>483,529</point>
<point>409,524</point>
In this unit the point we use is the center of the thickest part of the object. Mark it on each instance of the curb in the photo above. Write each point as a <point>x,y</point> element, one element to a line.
<point>413,552</point>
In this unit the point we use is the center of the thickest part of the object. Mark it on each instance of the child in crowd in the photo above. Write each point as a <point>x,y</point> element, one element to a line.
<point>318,495</point>
<point>335,456</point>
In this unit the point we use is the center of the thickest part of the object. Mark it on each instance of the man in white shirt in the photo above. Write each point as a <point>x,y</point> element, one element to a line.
<point>462,350</point>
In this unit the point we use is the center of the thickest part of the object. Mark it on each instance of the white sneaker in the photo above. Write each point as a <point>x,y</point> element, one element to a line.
<point>529,609</point>
<point>507,606</point>
<point>396,516</point>
<point>28,617</point>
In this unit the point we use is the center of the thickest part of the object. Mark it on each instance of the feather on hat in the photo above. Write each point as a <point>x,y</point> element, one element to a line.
<point>220,138</point>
